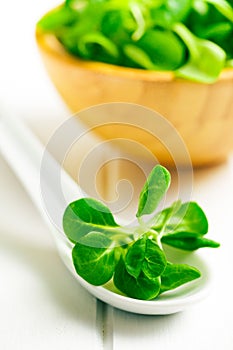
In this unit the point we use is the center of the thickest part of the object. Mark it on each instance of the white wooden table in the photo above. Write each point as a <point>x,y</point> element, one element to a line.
<point>41,305</point>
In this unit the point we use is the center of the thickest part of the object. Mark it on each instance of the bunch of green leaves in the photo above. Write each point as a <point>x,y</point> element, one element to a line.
<point>193,38</point>
<point>133,257</point>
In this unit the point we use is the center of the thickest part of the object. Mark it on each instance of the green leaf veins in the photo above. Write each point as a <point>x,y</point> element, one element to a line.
<point>192,38</point>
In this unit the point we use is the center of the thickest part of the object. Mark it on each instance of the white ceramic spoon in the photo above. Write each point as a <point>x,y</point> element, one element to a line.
<point>24,153</point>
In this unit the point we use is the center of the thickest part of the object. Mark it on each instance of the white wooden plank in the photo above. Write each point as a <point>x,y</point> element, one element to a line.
<point>42,305</point>
<point>193,329</point>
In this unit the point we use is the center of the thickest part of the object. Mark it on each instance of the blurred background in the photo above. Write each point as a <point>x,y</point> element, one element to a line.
<point>24,83</point>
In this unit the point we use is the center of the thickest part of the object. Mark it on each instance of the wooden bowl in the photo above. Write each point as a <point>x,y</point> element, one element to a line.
<point>202,114</point>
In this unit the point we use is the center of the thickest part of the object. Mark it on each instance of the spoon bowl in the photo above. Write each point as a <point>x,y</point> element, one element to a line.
<point>25,154</point>
<point>167,303</point>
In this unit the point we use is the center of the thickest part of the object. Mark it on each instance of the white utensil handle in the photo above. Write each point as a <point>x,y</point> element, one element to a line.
<point>24,153</point>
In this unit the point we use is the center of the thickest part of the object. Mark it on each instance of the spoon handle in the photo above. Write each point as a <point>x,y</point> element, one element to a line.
<point>24,153</point>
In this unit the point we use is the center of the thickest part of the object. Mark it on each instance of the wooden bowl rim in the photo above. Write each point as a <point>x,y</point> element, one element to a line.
<point>49,44</point>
